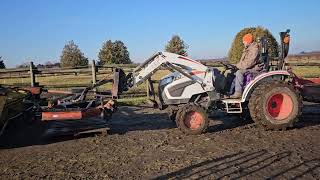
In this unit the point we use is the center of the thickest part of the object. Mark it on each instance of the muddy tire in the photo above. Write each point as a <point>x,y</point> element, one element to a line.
<point>192,119</point>
<point>275,105</point>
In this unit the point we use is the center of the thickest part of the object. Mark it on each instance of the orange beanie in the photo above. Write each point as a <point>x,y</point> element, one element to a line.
<point>286,40</point>
<point>248,38</point>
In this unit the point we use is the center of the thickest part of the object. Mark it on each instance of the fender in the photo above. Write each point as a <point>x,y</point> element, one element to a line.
<point>255,82</point>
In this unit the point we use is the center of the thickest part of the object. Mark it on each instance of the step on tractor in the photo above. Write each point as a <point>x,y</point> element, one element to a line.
<point>272,98</point>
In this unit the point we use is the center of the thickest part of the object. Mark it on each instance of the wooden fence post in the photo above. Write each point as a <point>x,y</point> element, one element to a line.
<point>148,89</point>
<point>94,72</point>
<point>32,75</point>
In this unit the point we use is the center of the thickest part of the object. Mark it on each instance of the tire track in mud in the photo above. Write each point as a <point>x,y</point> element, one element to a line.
<point>144,144</point>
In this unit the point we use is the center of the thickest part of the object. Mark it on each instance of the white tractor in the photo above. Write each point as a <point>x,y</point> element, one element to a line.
<point>192,89</point>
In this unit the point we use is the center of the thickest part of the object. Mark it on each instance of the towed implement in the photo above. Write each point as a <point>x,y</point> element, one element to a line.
<point>71,114</point>
<point>78,114</point>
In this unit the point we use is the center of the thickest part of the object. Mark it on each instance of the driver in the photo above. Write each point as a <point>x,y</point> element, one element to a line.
<point>249,62</point>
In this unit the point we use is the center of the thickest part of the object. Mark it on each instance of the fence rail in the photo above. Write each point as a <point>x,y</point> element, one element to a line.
<point>25,72</point>
<point>92,71</point>
<point>104,69</point>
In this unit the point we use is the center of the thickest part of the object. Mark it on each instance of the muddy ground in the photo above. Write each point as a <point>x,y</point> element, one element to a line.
<point>144,144</point>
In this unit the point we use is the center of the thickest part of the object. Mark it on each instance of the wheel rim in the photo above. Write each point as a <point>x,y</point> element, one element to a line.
<point>279,106</point>
<point>193,120</point>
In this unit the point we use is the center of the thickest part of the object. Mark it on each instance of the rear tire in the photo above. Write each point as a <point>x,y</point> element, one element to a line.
<point>275,105</point>
<point>192,119</point>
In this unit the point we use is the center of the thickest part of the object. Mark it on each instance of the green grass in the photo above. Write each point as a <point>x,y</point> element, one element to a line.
<point>307,71</point>
<point>132,101</point>
<point>61,80</point>
<point>65,82</point>
<point>51,80</point>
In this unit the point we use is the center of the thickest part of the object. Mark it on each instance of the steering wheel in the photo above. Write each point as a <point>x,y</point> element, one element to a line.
<point>229,66</point>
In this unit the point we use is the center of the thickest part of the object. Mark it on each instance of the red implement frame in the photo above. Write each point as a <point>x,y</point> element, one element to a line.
<point>309,88</point>
<point>70,114</point>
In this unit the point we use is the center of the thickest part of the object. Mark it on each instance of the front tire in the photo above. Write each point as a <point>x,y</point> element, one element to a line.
<point>192,119</point>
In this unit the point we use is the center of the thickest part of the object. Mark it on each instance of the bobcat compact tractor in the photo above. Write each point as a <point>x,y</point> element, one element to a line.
<point>272,98</point>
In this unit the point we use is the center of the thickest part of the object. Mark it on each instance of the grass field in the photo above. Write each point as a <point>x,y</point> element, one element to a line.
<point>66,82</point>
<point>307,71</point>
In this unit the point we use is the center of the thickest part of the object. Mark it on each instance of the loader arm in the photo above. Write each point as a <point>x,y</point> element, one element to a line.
<point>174,62</point>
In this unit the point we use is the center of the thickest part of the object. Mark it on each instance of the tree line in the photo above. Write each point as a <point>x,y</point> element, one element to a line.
<point>116,52</point>
<point>113,52</point>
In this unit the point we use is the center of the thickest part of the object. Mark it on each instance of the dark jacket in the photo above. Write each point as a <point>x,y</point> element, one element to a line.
<point>250,58</point>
